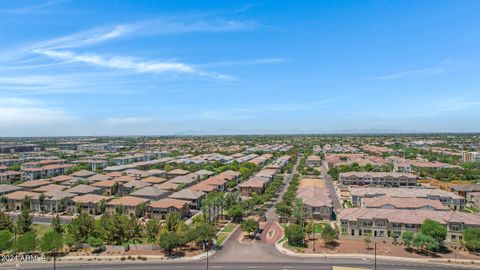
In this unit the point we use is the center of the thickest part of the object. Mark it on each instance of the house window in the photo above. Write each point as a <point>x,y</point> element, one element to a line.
<point>455,227</point>
<point>410,226</point>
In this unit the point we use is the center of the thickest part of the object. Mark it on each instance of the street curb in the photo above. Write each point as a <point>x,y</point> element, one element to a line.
<point>280,248</point>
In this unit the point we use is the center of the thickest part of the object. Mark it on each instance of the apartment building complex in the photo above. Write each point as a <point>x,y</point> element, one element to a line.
<point>393,179</point>
<point>450,199</point>
<point>379,222</point>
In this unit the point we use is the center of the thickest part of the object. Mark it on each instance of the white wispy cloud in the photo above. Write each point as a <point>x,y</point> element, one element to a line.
<point>32,9</point>
<point>425,72</point>
<point>129,63</point>
<point>260,61</point>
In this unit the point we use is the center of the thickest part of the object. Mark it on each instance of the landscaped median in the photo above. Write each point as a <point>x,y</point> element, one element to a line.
<point>225,233</point>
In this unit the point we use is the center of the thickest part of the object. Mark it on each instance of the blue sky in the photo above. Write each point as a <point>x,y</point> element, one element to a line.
<point>232,67</point>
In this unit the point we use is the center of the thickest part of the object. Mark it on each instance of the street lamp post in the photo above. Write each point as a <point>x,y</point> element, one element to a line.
<point>314,224</point>
<point>375,255</point>
<point>206,247</point>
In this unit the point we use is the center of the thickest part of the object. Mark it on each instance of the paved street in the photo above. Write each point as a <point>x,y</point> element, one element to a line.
<point>337,205</point>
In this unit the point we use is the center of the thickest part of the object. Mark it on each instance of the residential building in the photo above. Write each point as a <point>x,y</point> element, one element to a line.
<point>10,177</point>
<point>254,184</point>
<point>381,222</point>
<point>316,202</point>
<point>470,156</point>
<point>88,203</point>
<point>161,208</point>
<point>394,179</point>
<point>450,199</point>
<point>313,161</point>
<point>5,189</point>
<point>128,205</point>
<point>402,203</point>
<point>151,193</point>
<point>193,196</point>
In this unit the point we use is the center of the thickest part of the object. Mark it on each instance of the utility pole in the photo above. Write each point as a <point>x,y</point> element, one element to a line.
<point>375,255</point>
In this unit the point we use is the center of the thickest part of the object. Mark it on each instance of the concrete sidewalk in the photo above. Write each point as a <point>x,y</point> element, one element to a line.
<point>115,259</point>
<point>280,248</point>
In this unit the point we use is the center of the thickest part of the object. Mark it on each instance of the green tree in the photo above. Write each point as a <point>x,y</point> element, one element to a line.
<point>51,242</point>
<point>329,235</point>
<point>25,221</point>
<point>152,228</point>
<point>169,241</point>
<point>6,222</point>
<point>422,241</point>
<point>171,221</point>
<point>26,242</point>
<point>309,227</point>
<point>471,237</point>
<point>295,234</point>
<point>407,238</point>
<point>434,229</point>
<point>69,240</point>
<point>82,227</point>
<point>283,209</point>
<point>5,240</point>
<point>95,242</point>
<point>236,212</point>
<point>205,233</point>
<point>134,229</point>
<point>249,226</point>
<point>56,224</point>
<point>367,239</point>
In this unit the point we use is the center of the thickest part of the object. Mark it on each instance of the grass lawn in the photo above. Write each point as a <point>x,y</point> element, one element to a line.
<point>41,229</point>
<point>319,227</point>
<point>221,238</point>
<point>229,228</point>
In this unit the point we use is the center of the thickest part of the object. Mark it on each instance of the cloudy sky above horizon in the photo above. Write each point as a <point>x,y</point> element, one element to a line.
<point>233,67</point>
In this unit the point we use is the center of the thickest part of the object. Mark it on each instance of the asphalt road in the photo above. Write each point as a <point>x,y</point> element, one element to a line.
<point>337,205</point>
<point>304,265</point>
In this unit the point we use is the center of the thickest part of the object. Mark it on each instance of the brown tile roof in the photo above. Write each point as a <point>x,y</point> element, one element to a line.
<point>81,189</point>
<point>128,201</point>
<point>167,186</point>
<point>61,178</point>
<point>104,183</point>
<point>89,198</point>
<point>114,174</point>
<point>33,183</point>
<point>402,203</point>
<point>203,187</point>
<point>188,194</point>
<point>315,196</point>
<point>168,203</point>
<point>124,179</point>
<point>51,187</point>
<point>154,180</point>
<point>408,216</point>
<point>178,172</point>
<point>20,195</point>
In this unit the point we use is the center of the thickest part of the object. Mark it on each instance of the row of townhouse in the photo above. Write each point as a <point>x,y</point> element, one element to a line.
<point>446,198</point>
<point>257,184</point>
<point>58,195</point>
<point>45,171</point>
<point>393,179</point>
<point>379,222</point>
<point>11,176</point>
